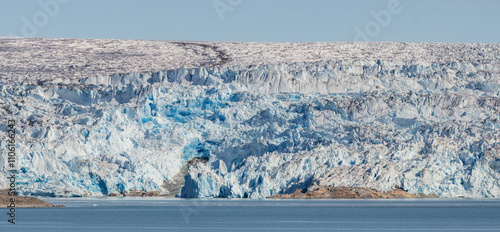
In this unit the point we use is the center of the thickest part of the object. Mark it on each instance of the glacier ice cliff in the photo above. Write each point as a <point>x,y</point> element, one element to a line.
<point>427,127</point>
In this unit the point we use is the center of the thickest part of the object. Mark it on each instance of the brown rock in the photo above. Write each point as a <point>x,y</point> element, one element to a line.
<point>324,192</point>
<point>24,201</point>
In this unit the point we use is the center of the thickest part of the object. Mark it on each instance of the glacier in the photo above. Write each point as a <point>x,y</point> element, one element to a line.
<point>426,126</point>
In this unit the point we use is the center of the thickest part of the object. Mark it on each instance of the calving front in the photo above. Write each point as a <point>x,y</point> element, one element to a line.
<point>260,130</point>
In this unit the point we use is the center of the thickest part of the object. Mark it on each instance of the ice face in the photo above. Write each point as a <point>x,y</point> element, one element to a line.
<point>265,129</point>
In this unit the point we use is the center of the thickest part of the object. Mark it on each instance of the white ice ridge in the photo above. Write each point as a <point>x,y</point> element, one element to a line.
<point>356,119</point>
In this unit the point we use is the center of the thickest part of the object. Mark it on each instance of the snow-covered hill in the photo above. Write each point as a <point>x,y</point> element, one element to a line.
<point>270,117</point>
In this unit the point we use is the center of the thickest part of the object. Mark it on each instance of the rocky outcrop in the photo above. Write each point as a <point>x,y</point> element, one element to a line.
<point>348,193</point>
<point>24,201</point>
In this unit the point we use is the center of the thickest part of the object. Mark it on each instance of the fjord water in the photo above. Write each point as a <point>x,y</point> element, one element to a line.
<point>161,214</point>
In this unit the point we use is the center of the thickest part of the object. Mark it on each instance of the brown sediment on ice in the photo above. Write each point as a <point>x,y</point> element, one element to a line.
<point>324,192</point>
<point>24,201</point>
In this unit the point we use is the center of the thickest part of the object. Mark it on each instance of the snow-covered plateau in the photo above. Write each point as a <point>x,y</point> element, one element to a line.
<point>102,117</point>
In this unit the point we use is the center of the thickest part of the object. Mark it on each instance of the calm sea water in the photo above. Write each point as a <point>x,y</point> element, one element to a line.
<point>163,214</point>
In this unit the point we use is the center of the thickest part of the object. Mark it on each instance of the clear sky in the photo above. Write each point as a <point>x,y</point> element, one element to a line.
<point>468,21</point>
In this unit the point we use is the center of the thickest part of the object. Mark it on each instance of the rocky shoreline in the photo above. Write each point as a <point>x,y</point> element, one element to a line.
<point>325,192</point>
<point>24,202</point>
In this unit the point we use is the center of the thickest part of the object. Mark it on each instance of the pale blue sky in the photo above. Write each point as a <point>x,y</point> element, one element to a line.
<point>255,20</point>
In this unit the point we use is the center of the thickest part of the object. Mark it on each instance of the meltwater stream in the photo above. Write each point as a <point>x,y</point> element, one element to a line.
<point>160,214</point>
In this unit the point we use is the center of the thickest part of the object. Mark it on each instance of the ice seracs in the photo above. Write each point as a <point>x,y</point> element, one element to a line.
<point>344,115</point>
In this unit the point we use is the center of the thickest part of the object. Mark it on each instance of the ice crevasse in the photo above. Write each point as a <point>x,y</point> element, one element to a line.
<point>430,128</point>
